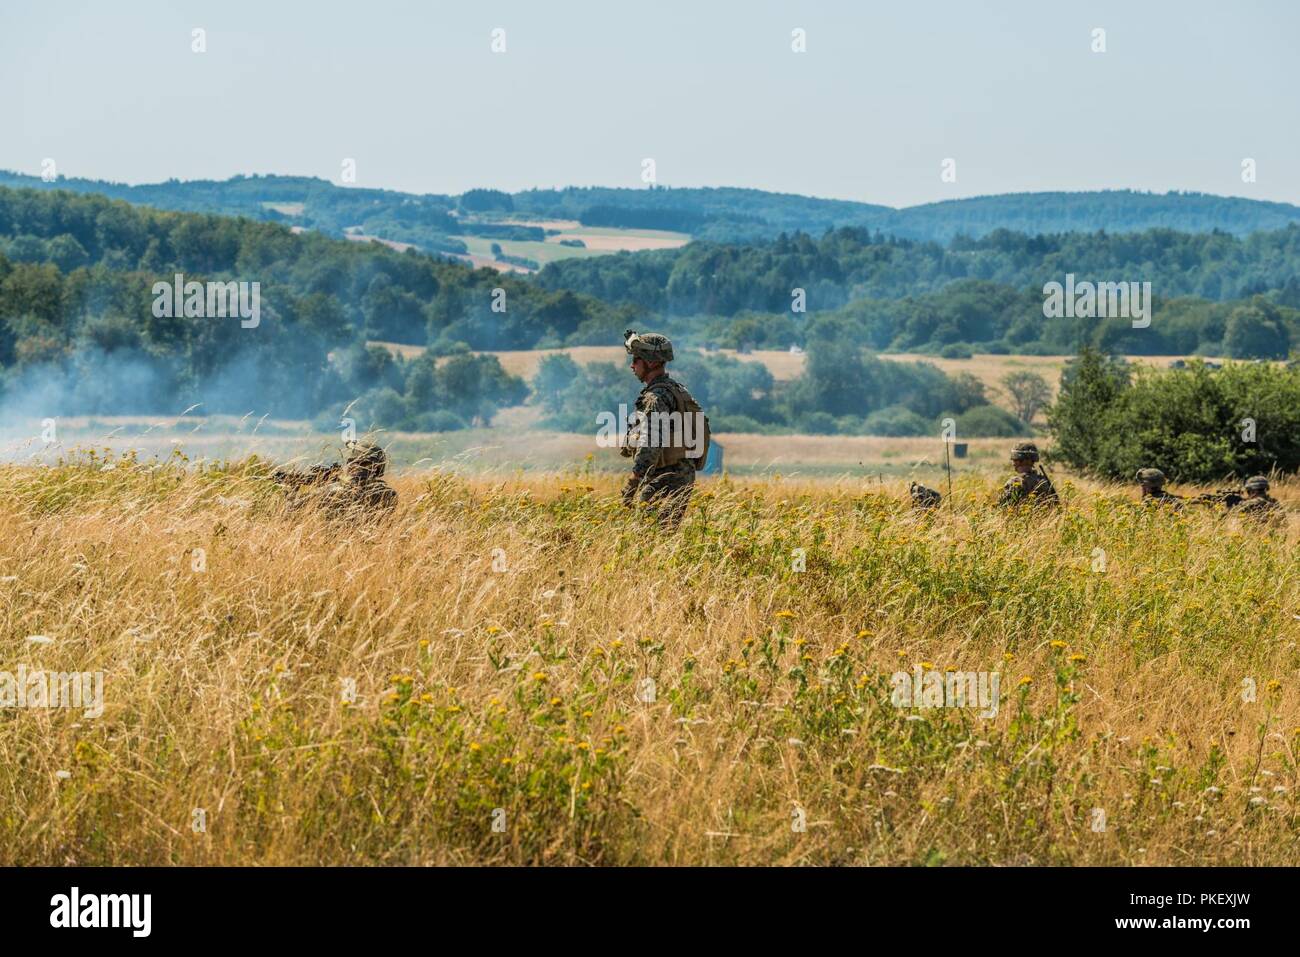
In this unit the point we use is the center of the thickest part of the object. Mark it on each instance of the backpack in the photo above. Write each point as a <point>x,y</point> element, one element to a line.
<point>687,406</point>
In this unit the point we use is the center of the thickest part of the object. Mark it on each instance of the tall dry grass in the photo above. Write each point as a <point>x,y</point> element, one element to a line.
<point>513,697</point>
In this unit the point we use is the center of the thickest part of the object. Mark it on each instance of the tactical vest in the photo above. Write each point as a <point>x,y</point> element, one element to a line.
<point>675,451</point>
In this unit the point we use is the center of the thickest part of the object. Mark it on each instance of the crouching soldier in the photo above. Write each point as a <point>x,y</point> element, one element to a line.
<point>1153,490</point>
<point>1259,504</point>
<point>353,490</point>
<point>668,438</point>
<point>924,497</point>
<point>1030,485</point>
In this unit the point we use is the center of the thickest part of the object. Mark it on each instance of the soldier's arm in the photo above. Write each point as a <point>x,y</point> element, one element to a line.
<point>648,456</point>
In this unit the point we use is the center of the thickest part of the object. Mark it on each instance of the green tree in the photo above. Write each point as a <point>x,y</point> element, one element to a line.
<point>1029,392</point>
<point>1080,419</point>
<point>1255,332</point>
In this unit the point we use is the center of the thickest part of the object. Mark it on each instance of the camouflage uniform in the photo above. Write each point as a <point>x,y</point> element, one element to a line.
<point>1261,506</point>
<point>665,485</point>
<point>923,497</point>
<point>355,492</point>
<point>1153,490</point>
<point>1032,488</point>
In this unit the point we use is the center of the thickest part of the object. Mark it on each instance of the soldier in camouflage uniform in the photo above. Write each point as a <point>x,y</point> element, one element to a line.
<point>924,497</point>
<point>1153,490</point>
<point>353,491</point>
<point>1030,485</point>
<point>1259,504</point>
<point>662,476</point>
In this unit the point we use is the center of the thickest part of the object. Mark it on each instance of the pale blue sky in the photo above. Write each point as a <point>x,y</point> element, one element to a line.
<point>709,88</point>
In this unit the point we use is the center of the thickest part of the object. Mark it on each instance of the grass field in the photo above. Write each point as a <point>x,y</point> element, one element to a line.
<point>785,365</point>
<point>514,445</point>
<point>600,242</point>
<point>516,669</point>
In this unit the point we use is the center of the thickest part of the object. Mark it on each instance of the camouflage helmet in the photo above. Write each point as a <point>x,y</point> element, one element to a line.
<point>651,346</point>
<point>1024,451</point>
<point>1153,477</point>
<point>368,456</point>
<point>1257,483</point>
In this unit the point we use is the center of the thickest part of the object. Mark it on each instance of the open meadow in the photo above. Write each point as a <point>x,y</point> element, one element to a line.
<point>515,669</point>
<point>784,365</point>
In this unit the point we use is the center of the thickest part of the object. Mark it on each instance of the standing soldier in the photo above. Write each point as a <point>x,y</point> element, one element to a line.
<point>669,437</point>
<point>1259,504</point>
<point>1030,485</point>
<point>1153,489</point>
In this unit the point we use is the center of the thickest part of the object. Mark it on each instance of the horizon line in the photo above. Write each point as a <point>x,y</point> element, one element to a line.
<point>649,188</point>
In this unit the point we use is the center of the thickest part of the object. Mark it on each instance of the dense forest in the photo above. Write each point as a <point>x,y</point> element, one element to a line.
<point>78,331</point>
<point>982,295</point>
<point>847,264</point>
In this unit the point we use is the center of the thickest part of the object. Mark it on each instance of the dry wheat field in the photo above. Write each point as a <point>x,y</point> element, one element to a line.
<point>518,670</point>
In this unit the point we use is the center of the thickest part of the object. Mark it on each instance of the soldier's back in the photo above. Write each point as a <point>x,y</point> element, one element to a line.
<point>1261,507</point>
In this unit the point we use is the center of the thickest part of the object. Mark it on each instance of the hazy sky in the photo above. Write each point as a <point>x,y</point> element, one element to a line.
<point>710,89</point>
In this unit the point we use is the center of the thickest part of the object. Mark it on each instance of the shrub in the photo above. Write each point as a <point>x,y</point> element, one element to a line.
<point>895,421</point>
<point>989,421</point>
<point>816,423</point>
<point>1191,423</point>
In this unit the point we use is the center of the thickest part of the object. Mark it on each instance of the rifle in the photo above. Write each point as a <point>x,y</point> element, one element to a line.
<point>1055,497</point>
<point>1229,498</point>
<point>316,475</point>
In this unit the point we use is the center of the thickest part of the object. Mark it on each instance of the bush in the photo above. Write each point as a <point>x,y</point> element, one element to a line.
<point>381,408</point>
<point>1187,422</point>
<point>989,421</point>
<point>895,421</point>
<point>956,350</point>
<point>598,389</point>
<point>816,423</point>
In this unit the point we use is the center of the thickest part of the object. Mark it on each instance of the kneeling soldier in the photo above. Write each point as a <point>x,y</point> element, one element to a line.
<point>1259,504</point>
<point>1153,489</point>
<point>1030,485</point>
<point>924,497</point>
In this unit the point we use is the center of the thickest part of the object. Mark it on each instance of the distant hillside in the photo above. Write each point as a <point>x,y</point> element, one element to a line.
<point>1115,211</point>
<point>741,215</point>
<point>438,223</point>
